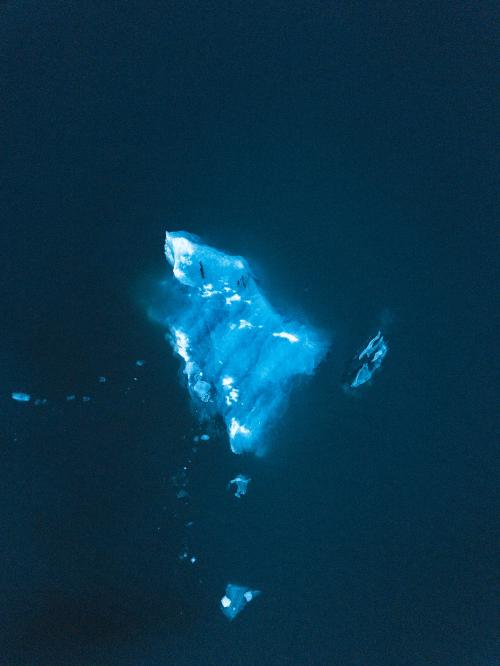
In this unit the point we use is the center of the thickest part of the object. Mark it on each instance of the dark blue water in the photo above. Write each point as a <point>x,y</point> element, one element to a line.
<point>345,149</point>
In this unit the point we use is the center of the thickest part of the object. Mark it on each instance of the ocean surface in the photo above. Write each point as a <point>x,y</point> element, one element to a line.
<point>347,151</point>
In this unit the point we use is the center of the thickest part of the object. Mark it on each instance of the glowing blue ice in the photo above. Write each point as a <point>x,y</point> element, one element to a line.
<point>239,354</point>
<point>368,361</point>
<point>235,599</point>
<point>241,482</point>
<point>18,396</point>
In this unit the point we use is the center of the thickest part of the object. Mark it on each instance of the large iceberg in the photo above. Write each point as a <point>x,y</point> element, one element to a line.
<point>239,354</point>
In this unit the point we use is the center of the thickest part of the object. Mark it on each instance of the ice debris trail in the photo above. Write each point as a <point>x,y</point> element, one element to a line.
<point>239,354</point>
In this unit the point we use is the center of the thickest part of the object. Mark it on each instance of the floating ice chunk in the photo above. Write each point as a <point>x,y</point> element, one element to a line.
<point>364,374</point>
<point>71,397</point>
<point>181,494</point>
<point>241,482</point>
<point>19,396</point>
<point>40,401</point>
<point>86,398</point>
<point>287,336</point>
<point>205,438</point>
<point>366,363</point>
<point>140,362</point>
<point>102,380</point>
<point>375,344</point>
<point>211,336</point>
<point>235,599</point>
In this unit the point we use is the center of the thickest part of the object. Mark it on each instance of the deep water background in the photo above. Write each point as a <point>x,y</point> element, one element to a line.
<point>347,150</point>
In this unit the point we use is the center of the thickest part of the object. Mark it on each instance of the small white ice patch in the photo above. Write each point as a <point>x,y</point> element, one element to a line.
<point>286,336</point>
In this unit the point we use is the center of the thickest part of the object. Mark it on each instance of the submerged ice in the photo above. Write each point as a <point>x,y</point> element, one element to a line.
<point>239,354</point>
<point>235,599</point>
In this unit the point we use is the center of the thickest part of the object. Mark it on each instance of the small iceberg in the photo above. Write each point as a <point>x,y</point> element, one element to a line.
<point>366,363</point>
<point>235,599</point>
<point>18,396</point>
<point>241,482</point>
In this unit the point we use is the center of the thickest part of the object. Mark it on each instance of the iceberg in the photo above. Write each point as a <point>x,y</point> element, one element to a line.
<point>241,482</point>
<point>235,599</point>
<point>366,363</point>
<point>240,355</point>
<point>18,396</point>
